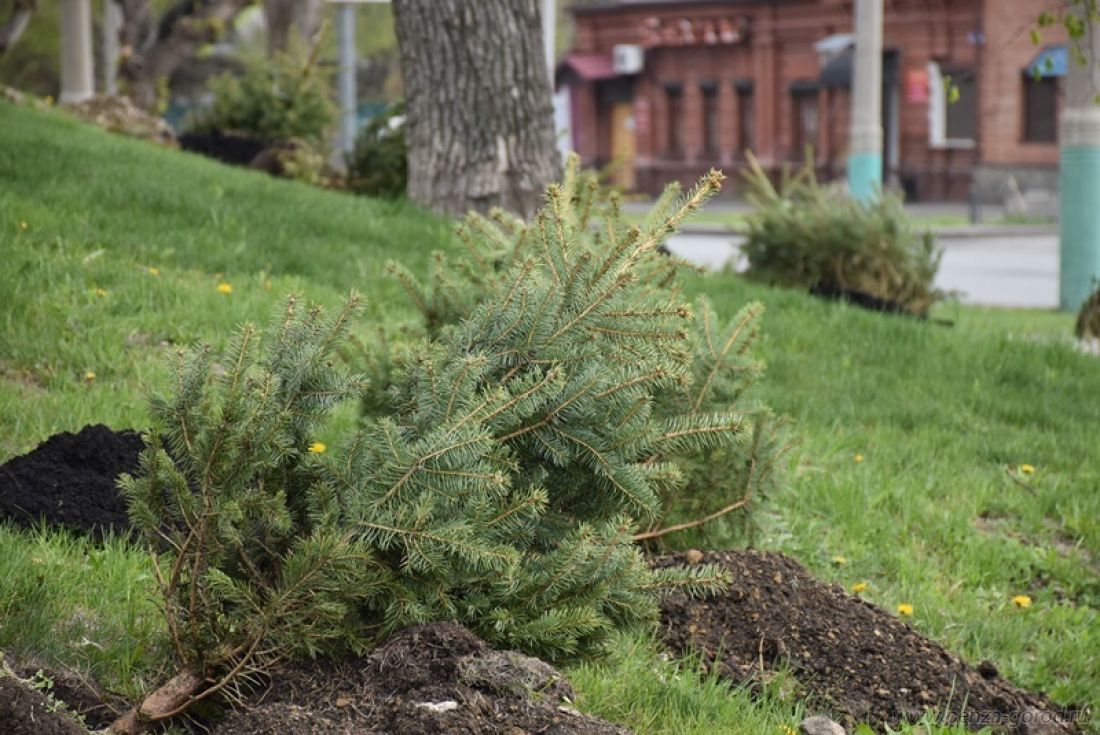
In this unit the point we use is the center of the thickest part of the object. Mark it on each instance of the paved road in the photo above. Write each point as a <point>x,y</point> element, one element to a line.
<point>998,269</point>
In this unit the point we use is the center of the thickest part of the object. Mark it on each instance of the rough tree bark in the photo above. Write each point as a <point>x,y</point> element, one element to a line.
<point>288,18</point>
<point>13,27</point>
<point>479,113</point>
<point>154,48</point>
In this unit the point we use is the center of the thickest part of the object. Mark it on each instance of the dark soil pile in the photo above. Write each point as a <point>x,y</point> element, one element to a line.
<point>228,147</point>
<point>853,659</point>
<point>80,695</point>
<point>26,711</point>
<point>69,481</point>
<point>427,679</point>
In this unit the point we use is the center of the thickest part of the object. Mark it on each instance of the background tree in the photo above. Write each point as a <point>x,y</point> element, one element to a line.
<point>155,46</point>
<point>288,18</point>
<point>15,23</point>
<point>480,117</point>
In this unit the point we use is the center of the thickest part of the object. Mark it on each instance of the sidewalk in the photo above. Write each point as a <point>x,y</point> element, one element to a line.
<point>945,219</point>
<point>980,266</point>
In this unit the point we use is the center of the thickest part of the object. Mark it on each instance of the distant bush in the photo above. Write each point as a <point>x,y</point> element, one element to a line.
<point>1088,318</point>
<point>378,165</point>
<point>274,99</point>
<point>807,235</point>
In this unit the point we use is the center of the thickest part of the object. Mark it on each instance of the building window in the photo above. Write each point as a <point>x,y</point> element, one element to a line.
<point>952,107</point>
<point>804,129</point>
<point>675,143</point>
<point>746,115</point>
<point>1040,109</point>
<point>710,117</point>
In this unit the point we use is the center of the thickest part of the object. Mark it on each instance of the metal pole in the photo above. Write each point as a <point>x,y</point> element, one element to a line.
<point>112,23</point>
<point>1079,173</point>
<point>77,82</point>
<point>349,103</point>
<point>865,141</point>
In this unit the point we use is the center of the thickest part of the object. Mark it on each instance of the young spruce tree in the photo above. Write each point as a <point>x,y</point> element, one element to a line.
<point>518,455</point>
<point>251,556</point>
<point>584,222</point>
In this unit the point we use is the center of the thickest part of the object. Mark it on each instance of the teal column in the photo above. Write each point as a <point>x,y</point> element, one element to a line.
<point>864,175</point>
<point>1079,178</point>
<point>1079,190</point>
<point>865,135</point>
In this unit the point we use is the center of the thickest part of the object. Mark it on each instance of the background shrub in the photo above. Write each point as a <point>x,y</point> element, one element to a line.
<point>378,166</point>
<point>1088,317</point>
<point>811,236</point>
<point>275,99</point>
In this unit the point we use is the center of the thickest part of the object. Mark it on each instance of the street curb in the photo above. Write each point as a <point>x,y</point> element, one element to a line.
<point>953,231</point>
<point>995,230</point>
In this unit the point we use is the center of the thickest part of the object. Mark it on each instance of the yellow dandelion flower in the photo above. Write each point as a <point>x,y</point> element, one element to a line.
<point>153,270</point>
<point>839,560</point>
<point>788,730</point>
<point>225,288</point>
<point>23,224</point>
<point>1027,469</point>
<point>1021,601</point>
<point>905,609</point>
<point>101,292</point>
<point>89,376</point>
<point>317,448</point>
<point>858,458</point>
<point>858,587</point>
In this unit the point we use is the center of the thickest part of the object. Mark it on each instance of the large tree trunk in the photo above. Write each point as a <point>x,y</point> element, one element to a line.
<point>152,49</point>
<point>287,19</point>
<point>480,121</point>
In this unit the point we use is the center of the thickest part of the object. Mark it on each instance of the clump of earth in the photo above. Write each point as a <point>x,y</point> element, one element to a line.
<point>427,679</point>
<point>424,680</point>
<point>69,481</point>
<point>850,658</point>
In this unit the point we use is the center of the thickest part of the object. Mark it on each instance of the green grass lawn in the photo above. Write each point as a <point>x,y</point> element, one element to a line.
<point>911,436</point>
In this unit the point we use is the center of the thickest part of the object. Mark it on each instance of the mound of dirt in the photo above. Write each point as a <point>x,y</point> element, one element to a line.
<point>80,694</point>
<point>26,711</point>
<point>427,679</point>
<point>853,659</point>
<point>69,481</point>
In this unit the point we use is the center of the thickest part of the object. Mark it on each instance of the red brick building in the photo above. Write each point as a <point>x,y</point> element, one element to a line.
<point>672,87</point>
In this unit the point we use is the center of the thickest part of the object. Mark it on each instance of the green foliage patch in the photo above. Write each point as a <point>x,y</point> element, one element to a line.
<point>1088,318</point>
<point>278,98</point>
<point>699,369</point>
<point>805,235</point>
<point>378,166</point>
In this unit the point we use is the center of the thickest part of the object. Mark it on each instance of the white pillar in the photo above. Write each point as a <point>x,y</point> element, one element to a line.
<point>112,23</point>
<point>349,98</point>
<point>1079,174</point>
<point>865,140</point>
<point>77,82</point>
<point>549,33</point>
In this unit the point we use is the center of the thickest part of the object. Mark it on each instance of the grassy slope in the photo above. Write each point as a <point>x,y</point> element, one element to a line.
<point>941,416</point>
<point>101,211</point>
